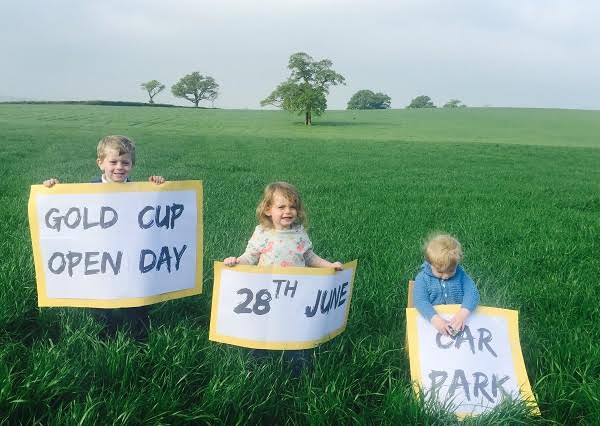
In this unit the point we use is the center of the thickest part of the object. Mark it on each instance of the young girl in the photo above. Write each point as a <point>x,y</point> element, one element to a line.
<point>280,238</point>
<point>442,281</point>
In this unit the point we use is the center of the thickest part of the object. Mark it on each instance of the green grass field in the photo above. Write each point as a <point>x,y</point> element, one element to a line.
<point>520,189</point>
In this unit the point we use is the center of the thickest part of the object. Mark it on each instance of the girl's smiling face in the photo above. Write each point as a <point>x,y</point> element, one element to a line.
<point>283,212</point>
<point>116,168</point>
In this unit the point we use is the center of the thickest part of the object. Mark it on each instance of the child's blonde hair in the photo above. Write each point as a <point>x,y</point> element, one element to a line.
<point>443,252</point>
<point>288,191</point>
<point>121,144</point>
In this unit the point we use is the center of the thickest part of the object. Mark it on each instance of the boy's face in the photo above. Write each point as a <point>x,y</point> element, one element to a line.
<point>116,168</point>
<point>443,275</point>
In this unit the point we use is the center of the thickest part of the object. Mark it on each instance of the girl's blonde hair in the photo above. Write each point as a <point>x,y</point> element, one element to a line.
<point>121,144</point>
<point>288,191</point>
<point>443,252</point>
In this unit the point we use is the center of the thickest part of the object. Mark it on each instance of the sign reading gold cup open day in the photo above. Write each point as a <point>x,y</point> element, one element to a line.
<point>474,371</point>
<point>279,308</point>
<point>116,245</point>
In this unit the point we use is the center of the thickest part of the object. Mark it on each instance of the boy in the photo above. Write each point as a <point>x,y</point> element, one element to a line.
<point>116,158</point>
<point>443,281</point>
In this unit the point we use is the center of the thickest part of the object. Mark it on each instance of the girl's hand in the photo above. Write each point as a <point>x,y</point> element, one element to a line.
<point>318,262</point>
<point>458,320</point>
<point>231,261</point>
<point>49,183</point>
<point>338,266</point>
<point>440,324</point>
<point>156,179</point>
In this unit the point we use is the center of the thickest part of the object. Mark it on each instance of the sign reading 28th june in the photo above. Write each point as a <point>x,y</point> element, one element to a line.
<point>116,245</point>
<point>279,308</point>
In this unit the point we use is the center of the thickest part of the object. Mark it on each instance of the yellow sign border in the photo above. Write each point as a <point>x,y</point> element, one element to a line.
<point>512,319</point>
<point>94,188</point>
<point>279,345</point>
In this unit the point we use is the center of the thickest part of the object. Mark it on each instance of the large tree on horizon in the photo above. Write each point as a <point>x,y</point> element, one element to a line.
<point>422,101</point>
<point>367,99</point>
<point>454,103</point>
<point>153,87</point>
<point>306,90</point>
<point>195,87</point>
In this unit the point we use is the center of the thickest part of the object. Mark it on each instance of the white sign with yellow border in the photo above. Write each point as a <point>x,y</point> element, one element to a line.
<point>279,308</point>
<point>116,245</point>
<point>474,371</point>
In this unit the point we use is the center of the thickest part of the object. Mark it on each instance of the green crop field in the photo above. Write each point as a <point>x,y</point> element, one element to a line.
<point>519,188</point>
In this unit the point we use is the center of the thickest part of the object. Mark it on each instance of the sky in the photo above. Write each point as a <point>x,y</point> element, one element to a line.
<point>511,53</point>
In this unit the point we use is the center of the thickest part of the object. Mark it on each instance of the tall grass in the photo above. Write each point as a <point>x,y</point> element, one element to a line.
<point>519,188</point>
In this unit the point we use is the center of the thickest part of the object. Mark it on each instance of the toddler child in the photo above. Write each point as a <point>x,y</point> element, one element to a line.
<point>116,158</point>
<point>281,240</point>
<point>443,281</point>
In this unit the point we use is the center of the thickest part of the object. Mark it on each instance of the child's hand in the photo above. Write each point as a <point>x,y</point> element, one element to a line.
<point>231,261</point>
<point>318,262</point>
<point>440,324</point>
<point>156,179</point>
<point>338,266</point>
<point>49,183</point>
<point>458,320</point>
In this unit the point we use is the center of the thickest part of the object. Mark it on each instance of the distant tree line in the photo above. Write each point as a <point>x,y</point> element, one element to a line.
<point>424,101</point>
<point>304,92</point>
<point>454,103</point>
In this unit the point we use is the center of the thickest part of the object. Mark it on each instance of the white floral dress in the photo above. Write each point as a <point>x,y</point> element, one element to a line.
<point>272,247</point>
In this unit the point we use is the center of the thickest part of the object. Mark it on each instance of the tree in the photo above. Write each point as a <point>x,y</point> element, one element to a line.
<point>454,103</point>
<point>306,90</point>
<point>153,87</point>
<point>421,102</point>
<point>195,87</point>
<point>366,99</point>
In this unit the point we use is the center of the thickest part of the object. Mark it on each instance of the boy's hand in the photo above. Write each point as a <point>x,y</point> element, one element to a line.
<point>49,183</point>
<point>458,320</point>
<point>440,324</point>
<point>156,179</point>
<point>231,261</point>
<point>338,266</point>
